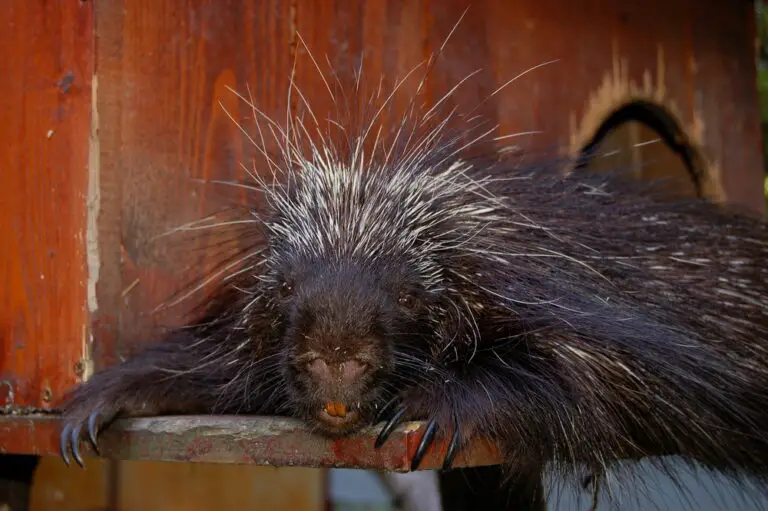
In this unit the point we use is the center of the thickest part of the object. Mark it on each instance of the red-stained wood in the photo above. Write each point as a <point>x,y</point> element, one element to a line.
<point>360,64</point>
<point>164,67</point>
<point>45,101</point>
<point>722,46</point>
<point>696,59</point>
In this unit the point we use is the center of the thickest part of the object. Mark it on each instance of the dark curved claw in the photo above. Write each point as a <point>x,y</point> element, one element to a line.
<point>383,411</point>
<point>389,427</point>
<point>75,441</point>
<point>92,431</point>
<point>69,441</point>
<point>64,443</point>
<point>453,449</point>
<point>424,444</point>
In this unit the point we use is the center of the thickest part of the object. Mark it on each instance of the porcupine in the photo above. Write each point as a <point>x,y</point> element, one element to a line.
<point>575,319</point>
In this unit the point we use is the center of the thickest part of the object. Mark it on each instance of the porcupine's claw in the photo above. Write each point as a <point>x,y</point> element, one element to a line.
<point>75,441</point>
<point>69,441</point>
<point>426,441</point>
<point>453,449</point>
<point>93,431</point>
<point>389,427</point>
<point>64,443</point>
<point>383,410</point>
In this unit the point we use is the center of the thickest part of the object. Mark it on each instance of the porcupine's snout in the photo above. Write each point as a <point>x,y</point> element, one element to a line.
<point>345,372</point>
<point>337,384</point>
<point>337,338</point>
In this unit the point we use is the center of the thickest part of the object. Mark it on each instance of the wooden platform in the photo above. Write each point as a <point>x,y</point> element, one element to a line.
<point>268,441</point>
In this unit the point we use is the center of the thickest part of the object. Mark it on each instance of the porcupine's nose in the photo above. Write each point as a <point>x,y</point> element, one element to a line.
<point>344,373</point>
<point>338,378</point>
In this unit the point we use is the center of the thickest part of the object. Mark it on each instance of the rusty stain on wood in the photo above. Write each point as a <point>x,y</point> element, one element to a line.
<point>272,441</point>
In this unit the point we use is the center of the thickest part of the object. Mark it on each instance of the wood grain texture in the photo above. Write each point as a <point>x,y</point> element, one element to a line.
<point>696,59</point>
<point>164,68</point>
<point>722,44</point>
<point>162,486</point>
<point>158,486</point>
<point>45,99</point>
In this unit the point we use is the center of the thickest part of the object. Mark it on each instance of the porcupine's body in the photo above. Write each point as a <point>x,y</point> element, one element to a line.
<point>575,319</point>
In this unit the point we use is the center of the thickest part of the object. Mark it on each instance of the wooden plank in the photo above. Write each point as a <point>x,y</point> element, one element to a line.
<point>58,487</point>
<point>158,486</point>
<point>358,63</point>
<point>150,485</point>
<point>468,50</point>
<point>163,68</point>
<point>723,46</point>
<point>45,104</point>
<point>245,440</point>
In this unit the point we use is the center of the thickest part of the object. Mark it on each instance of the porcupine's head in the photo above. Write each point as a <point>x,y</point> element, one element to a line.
<point>357,272</point>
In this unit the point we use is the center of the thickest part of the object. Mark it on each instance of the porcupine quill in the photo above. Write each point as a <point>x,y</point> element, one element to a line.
<point>577,320</point>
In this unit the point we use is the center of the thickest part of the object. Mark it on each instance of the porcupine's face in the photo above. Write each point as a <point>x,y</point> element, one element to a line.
<point>351,270</point>
<point>343,323</point>
<point>356,266</point>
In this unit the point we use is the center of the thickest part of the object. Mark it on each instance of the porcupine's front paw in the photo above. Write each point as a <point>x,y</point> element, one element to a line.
<point>401,409</point>
<point>84,422</point>
<point>89,409</point>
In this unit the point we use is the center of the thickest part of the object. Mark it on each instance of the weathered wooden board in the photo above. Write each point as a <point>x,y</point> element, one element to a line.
<point>163,68</point>
<point>242,440</point>
<point>45,106</point>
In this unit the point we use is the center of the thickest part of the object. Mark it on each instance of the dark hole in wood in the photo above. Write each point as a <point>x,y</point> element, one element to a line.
<point>643,138</point>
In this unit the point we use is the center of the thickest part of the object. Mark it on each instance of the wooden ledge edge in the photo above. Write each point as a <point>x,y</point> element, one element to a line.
<point>256,440</point>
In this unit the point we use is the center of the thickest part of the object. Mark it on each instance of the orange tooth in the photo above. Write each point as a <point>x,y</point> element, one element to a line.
<point>336,409</point>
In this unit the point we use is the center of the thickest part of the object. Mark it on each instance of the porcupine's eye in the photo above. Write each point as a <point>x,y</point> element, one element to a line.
<point>406,301</point>
<point>285,289</point>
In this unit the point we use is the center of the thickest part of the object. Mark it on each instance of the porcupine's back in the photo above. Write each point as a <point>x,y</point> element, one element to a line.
<point>628,325</point>
<point>602,321</point>
<point>605,321</point>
